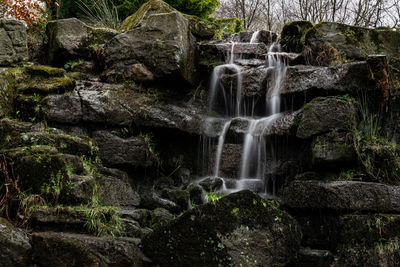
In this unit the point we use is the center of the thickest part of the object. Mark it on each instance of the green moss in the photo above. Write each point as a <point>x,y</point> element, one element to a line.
<point>43,85</point>
<point>151,7</point>
<point>44,71</point>
<point>292,36</point>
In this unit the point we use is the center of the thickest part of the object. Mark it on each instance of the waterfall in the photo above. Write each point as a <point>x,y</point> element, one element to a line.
<point>254,148</point>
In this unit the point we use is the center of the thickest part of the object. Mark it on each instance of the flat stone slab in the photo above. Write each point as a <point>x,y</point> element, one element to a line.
<point>342,195</point>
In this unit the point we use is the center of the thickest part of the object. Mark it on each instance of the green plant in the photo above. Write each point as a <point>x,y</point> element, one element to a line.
<point>101,220</point>
<point>101,13</point>
<point>70,64</point>
<point>57,185</point>
<point>212,196</point>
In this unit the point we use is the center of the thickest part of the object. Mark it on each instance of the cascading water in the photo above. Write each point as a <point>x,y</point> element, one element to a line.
<point>253,161</point>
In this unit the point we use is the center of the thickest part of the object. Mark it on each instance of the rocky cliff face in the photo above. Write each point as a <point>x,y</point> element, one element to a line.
<point>110,161</point>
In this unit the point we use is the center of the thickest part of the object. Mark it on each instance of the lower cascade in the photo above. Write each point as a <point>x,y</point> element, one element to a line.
<point>232,101</point>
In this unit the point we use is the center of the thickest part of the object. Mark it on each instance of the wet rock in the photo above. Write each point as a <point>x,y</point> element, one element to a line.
<point>351,42</point>
<point>210,55</point>
<point>211,183</point>
<point>343,195</point>
<point>314,257</point>
<point>282,124</point>
<point>240,228</point>
<point>103,107</point>
<point>62,108</point>
<point>333,149</point>
<point>230,160</point>
<point>151,200</point>
<point>164,36</point>
<point>253,81</point>
<point>292,35</point>
<point>62,249</point>
<point>345,78</point>
<point>13,44</point>
<point>14,245</point>
<point>71,39</point>
<point>325,114</point>
<point>116,151</point>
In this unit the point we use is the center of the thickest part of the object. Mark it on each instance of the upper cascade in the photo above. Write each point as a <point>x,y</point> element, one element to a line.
<point>228,96</point>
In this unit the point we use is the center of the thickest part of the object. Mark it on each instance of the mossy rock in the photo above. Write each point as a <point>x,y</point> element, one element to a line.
<point>16,133</point>
<point>147,9</point>
<point>380,159</point>
<point>44,71</point>
<point>200,28</point>
<point>239,229</point>
<point>98,36</point>
<point>349,42</point>
<point>44,86</point>
<point>292,36</point>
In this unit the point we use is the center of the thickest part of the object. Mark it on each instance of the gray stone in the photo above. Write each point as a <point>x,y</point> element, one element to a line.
<point>13,42</point>
<point>325,114</point>
<point>103,107</point>
<point>14,245</point>
<point>314,257</point>
<point>162,44</point>
<point>116,151</point>
<point>71,38</point>
<point>352,42</point>
<point>211,183</point>
<point>240,228</point>
<point>343,195</point>
<point>63,249</point>
<point>113,191</point>
<point>63,108</point>
<point>230,160</point>
<point>344,78</point>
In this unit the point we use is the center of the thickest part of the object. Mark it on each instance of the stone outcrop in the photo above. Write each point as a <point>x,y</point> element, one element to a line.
<point>70,39</point>
<point>323,115</point>
<point>13,44</point>
<point>163,45</point>
<point>338,42</point>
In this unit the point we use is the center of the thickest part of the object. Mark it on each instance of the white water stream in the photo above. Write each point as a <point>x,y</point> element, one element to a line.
<point>253,161</point>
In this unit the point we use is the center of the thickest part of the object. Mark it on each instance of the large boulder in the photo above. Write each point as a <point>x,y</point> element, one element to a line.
<point>343,196</point>
<point>325,114</point>
<point>239,229</point>
<point>13,42</point>
<point>202,29</point>
<point>292,35</point>
<point>14,245</point>
<point>163,44</point>
<point>338,42</point>
<point>70,39</point>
